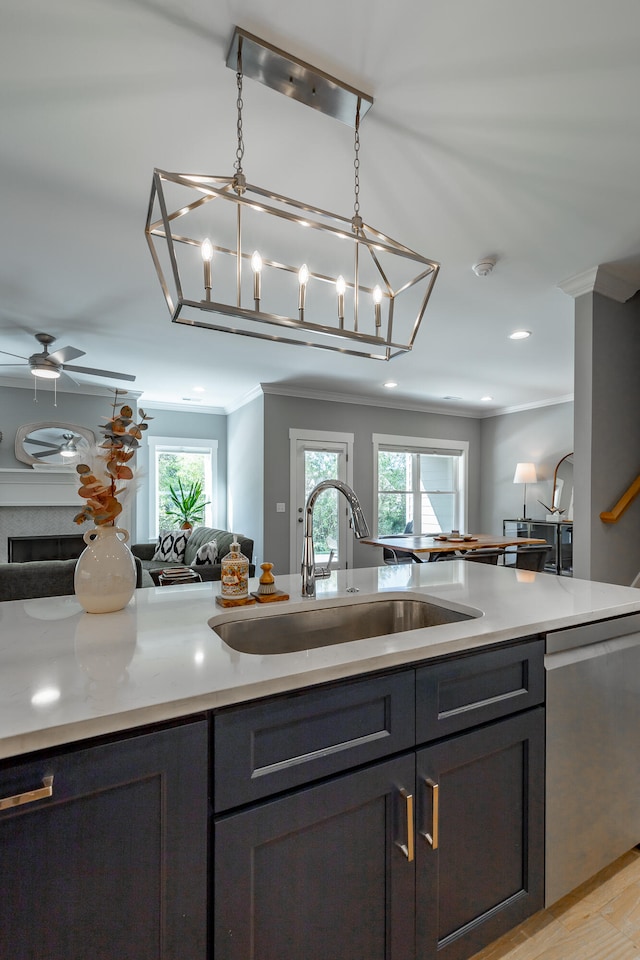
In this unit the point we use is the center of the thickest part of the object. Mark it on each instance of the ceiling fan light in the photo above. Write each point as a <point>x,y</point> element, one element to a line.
<point>65,452</point>
<point>45,373</point>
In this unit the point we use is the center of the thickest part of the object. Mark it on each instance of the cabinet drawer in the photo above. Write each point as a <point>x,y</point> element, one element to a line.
<point>287,741</point>
<point>457,694</point>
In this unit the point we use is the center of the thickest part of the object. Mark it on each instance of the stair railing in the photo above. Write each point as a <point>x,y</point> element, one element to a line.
<point>612,516</point>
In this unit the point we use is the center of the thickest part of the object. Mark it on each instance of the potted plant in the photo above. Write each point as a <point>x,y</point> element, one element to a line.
<point>187,503</point>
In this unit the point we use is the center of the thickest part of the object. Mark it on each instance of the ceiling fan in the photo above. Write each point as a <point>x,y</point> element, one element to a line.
<point>67,448</point>
<point>50,366</point>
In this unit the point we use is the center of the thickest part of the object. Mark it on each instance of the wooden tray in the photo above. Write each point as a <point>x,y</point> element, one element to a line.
<point>234,602</point>
<point>271,597</point>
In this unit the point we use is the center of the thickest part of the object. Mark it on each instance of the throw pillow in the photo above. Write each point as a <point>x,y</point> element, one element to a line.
<point>171,546</point>
<point>207,554</point>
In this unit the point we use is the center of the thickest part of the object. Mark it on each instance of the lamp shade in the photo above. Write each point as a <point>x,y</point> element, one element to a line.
<point>525,473</point>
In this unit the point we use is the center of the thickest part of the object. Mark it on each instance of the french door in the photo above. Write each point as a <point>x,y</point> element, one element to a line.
<point>315,457</point>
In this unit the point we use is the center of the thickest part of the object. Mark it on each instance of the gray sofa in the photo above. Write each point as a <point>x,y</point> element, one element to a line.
<point>199,536</point>
<point>47,578</point>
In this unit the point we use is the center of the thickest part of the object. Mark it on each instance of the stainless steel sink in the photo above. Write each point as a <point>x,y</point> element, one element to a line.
<point>323,626</point>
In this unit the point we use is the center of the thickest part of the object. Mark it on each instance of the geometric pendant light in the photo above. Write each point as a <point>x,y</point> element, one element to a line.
<point>236,258</point>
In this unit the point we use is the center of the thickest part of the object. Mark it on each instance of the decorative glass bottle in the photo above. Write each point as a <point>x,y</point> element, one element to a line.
<point>234,575</point>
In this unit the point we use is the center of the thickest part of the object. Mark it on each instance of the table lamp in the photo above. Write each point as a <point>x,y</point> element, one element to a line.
<point>525,473</point>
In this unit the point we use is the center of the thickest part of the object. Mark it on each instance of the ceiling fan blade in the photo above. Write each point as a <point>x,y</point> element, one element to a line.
<point>46,453</point>
<point>66,353</point>
<point>7,354</point>
<point>42,443</point>
<point>100,373</point>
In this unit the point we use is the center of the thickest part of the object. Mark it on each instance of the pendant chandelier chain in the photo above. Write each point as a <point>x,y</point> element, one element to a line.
<point>239,132</point>
<point>356,220</point>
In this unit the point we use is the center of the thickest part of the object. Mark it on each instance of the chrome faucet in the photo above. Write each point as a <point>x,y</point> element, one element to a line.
<point>360,529</point>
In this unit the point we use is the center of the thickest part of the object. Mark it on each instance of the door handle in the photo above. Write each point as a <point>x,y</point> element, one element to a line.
<point>408,847</point>
<point>432,838</point>
<point>41,793</point>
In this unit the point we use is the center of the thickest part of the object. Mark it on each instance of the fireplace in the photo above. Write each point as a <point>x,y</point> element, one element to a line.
<point>50,547</point>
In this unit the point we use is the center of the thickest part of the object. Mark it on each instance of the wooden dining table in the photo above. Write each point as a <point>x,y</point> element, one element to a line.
<point>416,544</point>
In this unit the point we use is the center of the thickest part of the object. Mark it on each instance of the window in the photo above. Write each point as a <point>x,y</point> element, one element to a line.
<point>421,485</point>
<point>173,458</point>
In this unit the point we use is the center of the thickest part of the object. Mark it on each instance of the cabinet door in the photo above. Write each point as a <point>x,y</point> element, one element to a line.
<point>479,853</point>
<point>112,865</point>
<point>321,874</point>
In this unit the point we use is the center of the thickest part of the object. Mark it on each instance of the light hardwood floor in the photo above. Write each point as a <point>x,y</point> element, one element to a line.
<point>598,921</point>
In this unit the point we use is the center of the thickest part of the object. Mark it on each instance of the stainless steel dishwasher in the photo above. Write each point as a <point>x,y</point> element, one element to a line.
<point>593,750</point>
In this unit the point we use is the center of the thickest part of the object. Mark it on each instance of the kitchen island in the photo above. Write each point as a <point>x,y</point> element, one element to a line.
<point>155,720</point>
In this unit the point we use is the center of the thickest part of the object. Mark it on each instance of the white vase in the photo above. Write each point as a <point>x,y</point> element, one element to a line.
<point>105,576</point>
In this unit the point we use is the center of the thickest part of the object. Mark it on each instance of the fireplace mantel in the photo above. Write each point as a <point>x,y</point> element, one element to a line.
<point>50,487</point>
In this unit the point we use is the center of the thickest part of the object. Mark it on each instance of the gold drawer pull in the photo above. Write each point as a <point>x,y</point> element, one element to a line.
<point>46,790</point>
<point>432,837</point>
<point>407,848</point>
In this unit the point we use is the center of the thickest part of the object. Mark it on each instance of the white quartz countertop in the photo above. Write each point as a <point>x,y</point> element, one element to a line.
<point>66,675</point>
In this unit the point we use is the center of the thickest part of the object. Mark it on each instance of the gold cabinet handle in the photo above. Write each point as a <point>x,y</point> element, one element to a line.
<point>407,848</point>
<point>432,837</point>
<point>46,790</point>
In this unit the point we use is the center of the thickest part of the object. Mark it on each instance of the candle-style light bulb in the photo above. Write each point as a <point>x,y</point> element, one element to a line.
<point>206,249</point>
<point>340,290</point>
<point>303,279</point>
<point>377,300</point>
<point>256,266</point>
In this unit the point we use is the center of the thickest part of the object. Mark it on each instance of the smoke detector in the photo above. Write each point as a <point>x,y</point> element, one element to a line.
<point>484,267</point>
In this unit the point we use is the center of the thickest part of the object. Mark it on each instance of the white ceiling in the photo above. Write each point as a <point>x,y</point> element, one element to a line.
<point>504,127</point>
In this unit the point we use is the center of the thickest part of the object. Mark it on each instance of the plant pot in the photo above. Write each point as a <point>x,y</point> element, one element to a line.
<point>105,576</point>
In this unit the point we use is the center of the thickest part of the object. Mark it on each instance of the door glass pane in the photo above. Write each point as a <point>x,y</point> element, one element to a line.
<point>323,465</point>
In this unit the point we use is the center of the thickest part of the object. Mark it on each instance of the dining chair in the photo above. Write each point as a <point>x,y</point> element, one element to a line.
<point>484,556</point>
<point>532,557</point>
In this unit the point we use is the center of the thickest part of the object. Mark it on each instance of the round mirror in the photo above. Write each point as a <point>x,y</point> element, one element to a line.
<point>53,444</point>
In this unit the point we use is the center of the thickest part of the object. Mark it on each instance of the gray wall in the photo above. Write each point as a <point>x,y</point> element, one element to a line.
<point>281,413</point>
<point>607,457</point>
<point>182,424</point>
<point>542,436</point>
<point>245,476</point>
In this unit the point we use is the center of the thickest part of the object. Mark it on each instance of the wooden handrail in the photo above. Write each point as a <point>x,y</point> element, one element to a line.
<point>612,516</point>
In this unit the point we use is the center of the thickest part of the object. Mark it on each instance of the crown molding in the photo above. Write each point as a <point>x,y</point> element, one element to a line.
<point>533,405</point>
<point>182,407</point>
<point>244,399</point>
<point>396,403</point>
<point>604,279</point>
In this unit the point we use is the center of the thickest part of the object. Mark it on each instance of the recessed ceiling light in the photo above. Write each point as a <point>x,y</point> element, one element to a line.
<point>199,390</point>
<point>519,334</point>
<point>486,399</point>
<point>452,398</point>
<point>390,384</point>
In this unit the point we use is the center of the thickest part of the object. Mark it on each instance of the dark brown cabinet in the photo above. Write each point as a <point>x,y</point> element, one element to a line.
<point>112,864</point>
<point>431,853</point>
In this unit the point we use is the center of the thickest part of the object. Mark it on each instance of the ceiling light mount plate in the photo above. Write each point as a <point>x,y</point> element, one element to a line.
<point>296,79</point>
